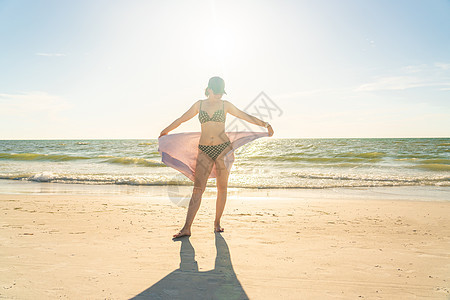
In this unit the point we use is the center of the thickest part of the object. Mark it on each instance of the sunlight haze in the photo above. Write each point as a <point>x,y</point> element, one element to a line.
<point>127,69</point>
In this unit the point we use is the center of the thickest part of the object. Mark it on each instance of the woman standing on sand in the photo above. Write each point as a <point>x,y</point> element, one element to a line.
<point>213,145</point>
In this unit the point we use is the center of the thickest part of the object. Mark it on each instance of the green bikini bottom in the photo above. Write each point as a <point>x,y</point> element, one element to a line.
<point>214,151</point>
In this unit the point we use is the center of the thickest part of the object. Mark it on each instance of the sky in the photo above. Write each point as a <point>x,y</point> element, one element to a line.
<point>109,69</point>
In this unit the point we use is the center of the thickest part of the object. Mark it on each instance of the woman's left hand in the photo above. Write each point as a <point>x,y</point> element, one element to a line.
<point>270,130</point>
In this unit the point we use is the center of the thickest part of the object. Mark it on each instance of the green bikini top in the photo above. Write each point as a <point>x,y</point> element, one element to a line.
<point>218,116</point>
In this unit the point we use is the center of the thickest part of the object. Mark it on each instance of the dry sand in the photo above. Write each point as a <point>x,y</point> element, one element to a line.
<point>290,244</point>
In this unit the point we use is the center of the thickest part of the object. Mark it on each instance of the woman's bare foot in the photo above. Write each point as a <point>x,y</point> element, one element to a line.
<point>217,228</point>
<point>182,232</point>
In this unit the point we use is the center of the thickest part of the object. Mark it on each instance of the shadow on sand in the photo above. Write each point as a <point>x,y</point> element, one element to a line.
<point>188,283</point>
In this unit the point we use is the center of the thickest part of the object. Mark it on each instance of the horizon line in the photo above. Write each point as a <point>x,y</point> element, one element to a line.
<point>93,139</point>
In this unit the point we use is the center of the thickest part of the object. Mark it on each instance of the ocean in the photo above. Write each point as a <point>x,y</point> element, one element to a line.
<point>264,163</point>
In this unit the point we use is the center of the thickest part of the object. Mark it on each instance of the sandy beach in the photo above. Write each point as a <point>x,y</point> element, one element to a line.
<point>277,244</point>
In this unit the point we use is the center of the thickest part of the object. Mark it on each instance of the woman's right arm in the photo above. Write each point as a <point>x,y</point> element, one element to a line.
<point>185,117</point>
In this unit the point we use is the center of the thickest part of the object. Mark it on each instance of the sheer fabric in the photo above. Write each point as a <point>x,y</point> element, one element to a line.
<point>180,150</point>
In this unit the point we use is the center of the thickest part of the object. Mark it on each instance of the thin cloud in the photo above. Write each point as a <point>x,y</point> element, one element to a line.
<point>443,66</point>
<point>33,104</point>
<point>391,83</point>
<point>415,69</point>
<point>408,77</point>
<point>50,54</point>
<point>398,83</point>
<point>315,92</point>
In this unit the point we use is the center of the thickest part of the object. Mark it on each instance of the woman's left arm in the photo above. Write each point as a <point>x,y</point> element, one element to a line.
<point>233,110</point>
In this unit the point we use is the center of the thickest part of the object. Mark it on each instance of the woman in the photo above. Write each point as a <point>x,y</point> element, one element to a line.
<point>213,145</point>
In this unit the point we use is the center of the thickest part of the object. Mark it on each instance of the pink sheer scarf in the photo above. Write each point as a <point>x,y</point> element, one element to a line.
<point>180,150</point>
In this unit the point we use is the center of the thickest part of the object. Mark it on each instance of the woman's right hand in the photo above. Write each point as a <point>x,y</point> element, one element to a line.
<point>164,132</point>
<point>270,130</point>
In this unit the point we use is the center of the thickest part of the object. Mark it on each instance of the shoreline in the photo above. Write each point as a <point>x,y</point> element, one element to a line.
<point>410,193</point>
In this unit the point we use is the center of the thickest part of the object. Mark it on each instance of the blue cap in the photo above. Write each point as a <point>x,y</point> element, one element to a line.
<point>217,84</point>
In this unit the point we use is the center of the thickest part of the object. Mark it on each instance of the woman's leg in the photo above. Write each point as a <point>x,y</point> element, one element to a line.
<point>203,168</point>
<point>222,185</point>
